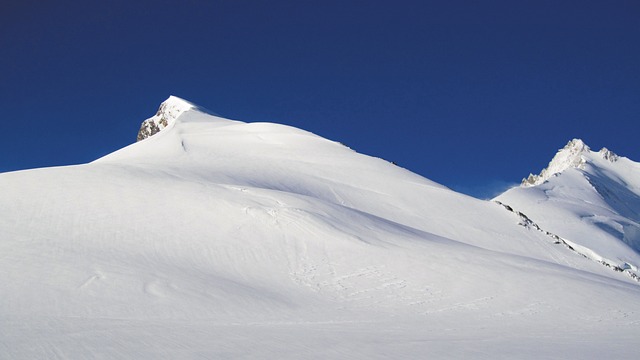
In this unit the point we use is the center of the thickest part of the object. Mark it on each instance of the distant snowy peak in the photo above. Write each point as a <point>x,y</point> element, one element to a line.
<point>168,112</point>
<point>573,156</point>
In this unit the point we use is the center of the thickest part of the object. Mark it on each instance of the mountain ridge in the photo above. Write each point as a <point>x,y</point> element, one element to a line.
<point>596,192</point>
<point>222,238</point>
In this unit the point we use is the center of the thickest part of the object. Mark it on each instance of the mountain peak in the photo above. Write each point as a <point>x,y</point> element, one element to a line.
<point>168,112</point>
<point>575,145</point>
<point>570,156</point>
<point>608,155</point>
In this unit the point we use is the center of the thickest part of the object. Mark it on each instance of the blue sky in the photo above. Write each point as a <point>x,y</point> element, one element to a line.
<point>472,94</point>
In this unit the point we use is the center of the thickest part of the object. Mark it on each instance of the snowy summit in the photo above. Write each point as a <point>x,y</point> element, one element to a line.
<point>573,155</point>
<point>218,238</point>
<point>168,112</point>
<point>590,200</point>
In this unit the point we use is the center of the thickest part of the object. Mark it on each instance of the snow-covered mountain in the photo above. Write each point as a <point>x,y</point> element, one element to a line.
<point>591,200</point>
<point>216,238</point>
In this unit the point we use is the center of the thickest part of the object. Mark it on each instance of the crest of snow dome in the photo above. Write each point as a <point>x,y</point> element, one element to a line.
<point>168,112</point>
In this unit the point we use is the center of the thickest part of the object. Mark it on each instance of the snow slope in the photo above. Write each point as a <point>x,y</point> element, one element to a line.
<point>216,238</point>
<point>589,199</point>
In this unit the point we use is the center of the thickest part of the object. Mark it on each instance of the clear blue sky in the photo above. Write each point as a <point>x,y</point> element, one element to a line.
<point>472,94</point>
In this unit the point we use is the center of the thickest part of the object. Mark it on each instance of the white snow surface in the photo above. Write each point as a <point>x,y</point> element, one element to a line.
<point>223,239</point>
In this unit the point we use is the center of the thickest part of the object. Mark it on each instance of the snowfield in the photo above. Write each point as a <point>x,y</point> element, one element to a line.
<point>222,239</point>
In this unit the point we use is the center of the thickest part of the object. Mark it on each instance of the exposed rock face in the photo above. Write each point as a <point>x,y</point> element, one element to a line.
<point>149,128</point>
<point>168,112</point>
<point>608,155</point>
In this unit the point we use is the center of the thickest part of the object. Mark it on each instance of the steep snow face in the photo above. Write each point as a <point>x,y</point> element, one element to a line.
<point>167,113</point>
<point>222,239</point>
<point>591,199</point>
